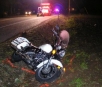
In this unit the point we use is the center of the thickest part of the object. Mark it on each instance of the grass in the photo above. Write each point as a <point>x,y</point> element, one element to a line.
<point>77,82</point>
<point>83,59</point>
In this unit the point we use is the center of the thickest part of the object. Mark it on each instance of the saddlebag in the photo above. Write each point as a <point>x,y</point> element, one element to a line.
<point>20,43</point>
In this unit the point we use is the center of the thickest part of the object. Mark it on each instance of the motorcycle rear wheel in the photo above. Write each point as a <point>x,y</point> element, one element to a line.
<point>15,57</point>
<point>48,75</point>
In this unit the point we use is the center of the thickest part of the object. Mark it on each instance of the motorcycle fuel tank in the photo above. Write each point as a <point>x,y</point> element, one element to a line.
<point>46,47</point>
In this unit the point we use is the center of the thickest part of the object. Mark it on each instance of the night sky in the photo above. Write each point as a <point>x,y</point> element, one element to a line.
<point>80,6</point>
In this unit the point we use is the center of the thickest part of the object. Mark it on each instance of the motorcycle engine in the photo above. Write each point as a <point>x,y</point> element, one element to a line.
<point>33,58</point>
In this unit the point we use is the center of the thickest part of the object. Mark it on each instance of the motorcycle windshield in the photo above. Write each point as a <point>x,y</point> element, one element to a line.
<point>64,36</point>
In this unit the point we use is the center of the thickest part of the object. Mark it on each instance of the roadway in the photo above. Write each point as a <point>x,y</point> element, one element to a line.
<point>10,27</point>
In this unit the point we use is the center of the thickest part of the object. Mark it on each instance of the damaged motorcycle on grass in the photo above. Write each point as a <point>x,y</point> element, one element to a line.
<point>44,60</point>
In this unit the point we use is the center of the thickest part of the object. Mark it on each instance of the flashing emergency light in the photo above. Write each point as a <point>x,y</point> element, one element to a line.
<point>57,10</point>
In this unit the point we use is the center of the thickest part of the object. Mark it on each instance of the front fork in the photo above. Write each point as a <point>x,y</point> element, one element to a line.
<point>48,63</point>
<point>51,61</point>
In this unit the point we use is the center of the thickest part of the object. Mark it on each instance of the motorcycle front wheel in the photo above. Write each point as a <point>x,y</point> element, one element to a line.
<point>48,75</point>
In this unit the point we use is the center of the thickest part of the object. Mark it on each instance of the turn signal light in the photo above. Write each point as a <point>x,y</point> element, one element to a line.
<point>64,69</point>
<point>53,52</point>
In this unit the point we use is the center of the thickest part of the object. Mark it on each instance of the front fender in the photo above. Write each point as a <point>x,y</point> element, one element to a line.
<point>53,61</point>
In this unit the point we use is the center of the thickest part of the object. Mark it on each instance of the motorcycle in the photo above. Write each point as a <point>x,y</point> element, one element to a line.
<point>44,60</point>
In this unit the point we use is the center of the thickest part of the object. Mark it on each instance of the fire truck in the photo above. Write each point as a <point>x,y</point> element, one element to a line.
<point>44,9</point>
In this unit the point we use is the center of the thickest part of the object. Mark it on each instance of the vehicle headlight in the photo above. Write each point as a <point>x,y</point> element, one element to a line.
<point>25,12</point>
<point>29,12</point>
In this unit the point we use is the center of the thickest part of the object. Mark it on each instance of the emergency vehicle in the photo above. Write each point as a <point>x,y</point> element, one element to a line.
<point>44,9</point>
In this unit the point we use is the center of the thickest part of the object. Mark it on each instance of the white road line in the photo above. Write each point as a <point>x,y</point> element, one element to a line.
<point>5,19</point>
<point>14,23</point>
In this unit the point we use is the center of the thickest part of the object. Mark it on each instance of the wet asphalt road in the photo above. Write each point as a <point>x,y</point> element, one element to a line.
<point>12,26</point>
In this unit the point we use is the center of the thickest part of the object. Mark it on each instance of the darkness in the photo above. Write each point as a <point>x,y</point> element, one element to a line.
<point>94,6</point>
<point>14,7</point>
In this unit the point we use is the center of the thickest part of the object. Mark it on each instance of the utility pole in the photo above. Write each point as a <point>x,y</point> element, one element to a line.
<point>69,7</point>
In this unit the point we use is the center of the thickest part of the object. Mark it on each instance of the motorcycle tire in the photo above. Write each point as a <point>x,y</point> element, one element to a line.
<point>15,57</point>
<point>49,77</point>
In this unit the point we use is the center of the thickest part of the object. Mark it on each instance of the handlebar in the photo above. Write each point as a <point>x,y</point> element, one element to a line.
<point>55,33</point>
